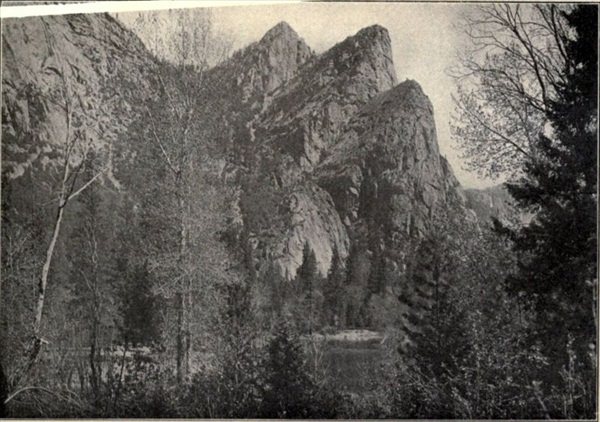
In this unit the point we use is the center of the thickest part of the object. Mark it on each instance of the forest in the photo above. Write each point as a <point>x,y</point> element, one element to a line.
<point>176,243</point>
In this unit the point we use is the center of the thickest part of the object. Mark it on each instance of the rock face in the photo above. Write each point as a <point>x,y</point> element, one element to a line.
<point>352,151</point>
<point>94,54</point>
<point>253,73</point>
<point>305,117</point>
<point>387,166</point>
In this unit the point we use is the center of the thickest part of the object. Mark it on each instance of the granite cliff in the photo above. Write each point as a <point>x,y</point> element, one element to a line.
<point>348,155</point>
<point>354,152</point>
<point>98,57</point>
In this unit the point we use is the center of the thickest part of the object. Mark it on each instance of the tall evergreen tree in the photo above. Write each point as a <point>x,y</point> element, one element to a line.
<point>288,387</point>
<point>306,279</point>
<point>238,357</point>
<point>275,288</point>
<point>559,186</point>
<point>333,289</point>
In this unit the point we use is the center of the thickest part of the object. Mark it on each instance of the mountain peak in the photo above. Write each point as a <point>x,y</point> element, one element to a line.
<point>263,66</point>
<point>371,46</point>
<point>281,30</point>
<point>373,30</point>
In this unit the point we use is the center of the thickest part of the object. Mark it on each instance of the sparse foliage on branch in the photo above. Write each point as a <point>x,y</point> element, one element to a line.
<point>512,61</point>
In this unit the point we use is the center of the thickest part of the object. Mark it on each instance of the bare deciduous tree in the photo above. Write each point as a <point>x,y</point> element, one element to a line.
<point>189,45</point>
<point>507,76</point>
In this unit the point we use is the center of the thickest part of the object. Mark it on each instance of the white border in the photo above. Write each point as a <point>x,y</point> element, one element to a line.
<point>21,11</point>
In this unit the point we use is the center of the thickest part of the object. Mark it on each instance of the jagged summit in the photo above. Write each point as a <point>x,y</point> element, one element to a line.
<point>282,29</point>
<point>373,31</point>
<point>309,110</point>
<point>265,65</point>
<point>344,134</point>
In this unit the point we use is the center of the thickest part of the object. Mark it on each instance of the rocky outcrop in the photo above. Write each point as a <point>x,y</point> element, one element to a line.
<point>253,73</point>
<point>305,117</point>
<point>359,152</point>
<point>90,57</point>
<point>315,221</point>
<point>348,148</point>
<point>387,166</point>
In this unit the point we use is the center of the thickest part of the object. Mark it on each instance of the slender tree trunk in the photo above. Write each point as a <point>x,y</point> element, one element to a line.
<point>36,344</point>
<point>182,299</point>
<point>188,328</point>
<point>179,299</point>
<point>93,356</point>
<point>120,381</point>
<point>310,308</point>
<point>3,392</point>
<point>595,302</point>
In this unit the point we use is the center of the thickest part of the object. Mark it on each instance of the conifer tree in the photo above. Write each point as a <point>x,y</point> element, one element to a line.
<point>559,187</point>
<point>238,358</point>
<point>377,276</point>
<point>274,287</point>
<point>333,289</point>
<point>288,387</point>
<point>306,279</point>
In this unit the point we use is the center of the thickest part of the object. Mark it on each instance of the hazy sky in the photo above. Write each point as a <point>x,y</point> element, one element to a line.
<point>425,39</point>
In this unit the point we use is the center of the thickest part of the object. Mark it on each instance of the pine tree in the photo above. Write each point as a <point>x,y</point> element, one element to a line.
<point>288,387</point>
<point>306,280</point>
<point>333,290</point>
<point>274,289</point>
<point>419,295</point>
<point>559,186</point>
<point>357,274</point>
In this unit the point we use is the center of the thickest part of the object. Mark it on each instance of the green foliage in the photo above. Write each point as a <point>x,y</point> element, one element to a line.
<point>138,386</point>
<point>376,291</point>
<point>464,352</point>
<point>239,357</point>
<point>377,275</point>
<point>544,134</point>
<point>273,294</point>
<point>357,274</point>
